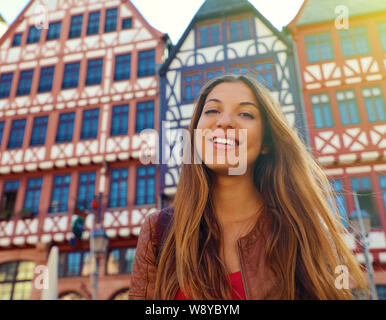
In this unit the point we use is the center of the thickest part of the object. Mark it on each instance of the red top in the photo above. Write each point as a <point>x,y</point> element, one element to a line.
<point>237,285</point>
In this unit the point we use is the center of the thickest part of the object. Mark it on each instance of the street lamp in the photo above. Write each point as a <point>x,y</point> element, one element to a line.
<point>361,225</point>
<point>98,244</point>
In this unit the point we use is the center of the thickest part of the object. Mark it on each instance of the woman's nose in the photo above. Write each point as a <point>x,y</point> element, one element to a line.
<point>225,121</point>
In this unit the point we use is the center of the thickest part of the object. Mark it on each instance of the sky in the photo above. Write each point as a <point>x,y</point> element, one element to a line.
<point>173,16</point>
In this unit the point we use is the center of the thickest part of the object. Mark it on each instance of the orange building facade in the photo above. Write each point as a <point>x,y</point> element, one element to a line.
<point>78,83</point>
<point>341,51</point>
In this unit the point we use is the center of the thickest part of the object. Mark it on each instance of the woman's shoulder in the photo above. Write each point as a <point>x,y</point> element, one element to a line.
<point>156,220</point>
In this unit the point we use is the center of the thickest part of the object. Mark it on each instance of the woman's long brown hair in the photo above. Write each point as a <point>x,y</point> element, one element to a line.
<point>303,237</point>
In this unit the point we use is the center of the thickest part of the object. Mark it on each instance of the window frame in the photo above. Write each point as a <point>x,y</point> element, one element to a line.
<point>90,185</point>
<point>120,201</point>
<point>63,187</point>
<point>209,25</point>
<point>33,38</point>
<point>55,35</point>
<point>346,100</point>
<point>92,132</point>
<point>239,20</point>
<point>147,176</point>
<point>94,73</point>
<point>322,105</point>
<point>25,82</point>
<point>373,98</point>
<point>149,106</point>
<point>36,194</point>
<point>74,70</point>
<point>41,129</point>
<point>149,61</point>
<point>194,84</point>
<point>119,65</point>
<point>5,93</point>
<point>20,134</point>
<point>44,78</point>
<point>119,116</point>
<point>350,35</point>
<point>93,28</point>
<point>265,72</point>
<point>107,22</point>
<point>318,42</point>
<point>14,279</point>
<point>14,37</point>
<point>76,27</point>
<point>67,123</point>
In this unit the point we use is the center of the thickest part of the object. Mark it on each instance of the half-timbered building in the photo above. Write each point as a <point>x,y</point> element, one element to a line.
<point>78,83</point>
<point>341,52</point>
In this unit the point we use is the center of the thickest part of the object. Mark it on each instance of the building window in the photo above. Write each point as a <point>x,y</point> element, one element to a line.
<point>111,19</point>
<point>39,129</point>
<point>375,106</point>
<point>265,74</point>
<point>348,109</point>
<point>321,109</point>
<point>17,134</point>
<point>382,184</point>
<point>340,201</point>
<point>71,75</point>
<point>209,35</point>
<point>191,85</point>
<point>33,35</point>
<point>381,291</point>
<point>382,34</point>
<point>5,84</point>
<point>59,196</point>
<point>144,116</point>
<point>93,23</point>
<point>364,190</point>
<point>94,71</point>
<point>118,188</point>
<point>146,63</point>
<point>145,189</point>
<point>86,190</point>
<point>17,39</point>
<point>127,23</point>
<point>319,47</point>
<point>122,67</point>
<point>65,127</point>
<point>25,82</point>
<point>90,124</point>
<point>239,29</point>
<point>239,68</point>
<point>16,280</point>
<point>54,30</point>
<point>76,26</point>
<point>46,79</point>
<point>74,264</point>
<point>9,199</point>
<point>354,41</point>
<point>1,131</point>
<point>120,261</point>
<point>32,195</point>
<point>120,120</point>
<point>213,73</point>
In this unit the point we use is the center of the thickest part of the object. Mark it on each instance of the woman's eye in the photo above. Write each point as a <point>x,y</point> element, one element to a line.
<point>210,111</point>
<point>246,114</point>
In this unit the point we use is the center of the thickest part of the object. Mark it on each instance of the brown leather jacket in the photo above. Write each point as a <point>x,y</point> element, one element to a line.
<point>258,280</point>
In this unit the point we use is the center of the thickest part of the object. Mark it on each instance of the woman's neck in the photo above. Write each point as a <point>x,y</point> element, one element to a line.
<point>235,198</point>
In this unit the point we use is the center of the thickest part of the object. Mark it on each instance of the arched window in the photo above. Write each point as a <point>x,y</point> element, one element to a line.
<point>71,296</point>
<point>16,280</point>
<point>121,295</point>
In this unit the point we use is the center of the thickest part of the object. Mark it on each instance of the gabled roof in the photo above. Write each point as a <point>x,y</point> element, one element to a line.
<point>314,11</point>
<point>218,8</point>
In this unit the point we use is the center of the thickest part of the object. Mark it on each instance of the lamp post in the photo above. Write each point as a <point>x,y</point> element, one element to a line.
<point>361,223</point>
<point>98,245</point>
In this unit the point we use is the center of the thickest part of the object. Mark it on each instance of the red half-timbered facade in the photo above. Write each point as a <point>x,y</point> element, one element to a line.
<point>341,54</point>
<point>78,83</point>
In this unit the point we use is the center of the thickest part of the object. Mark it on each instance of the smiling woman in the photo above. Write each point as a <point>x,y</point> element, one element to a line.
<point>268,233</point>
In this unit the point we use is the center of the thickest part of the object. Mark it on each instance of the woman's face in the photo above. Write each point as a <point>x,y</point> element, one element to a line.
<point>228,108</point>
